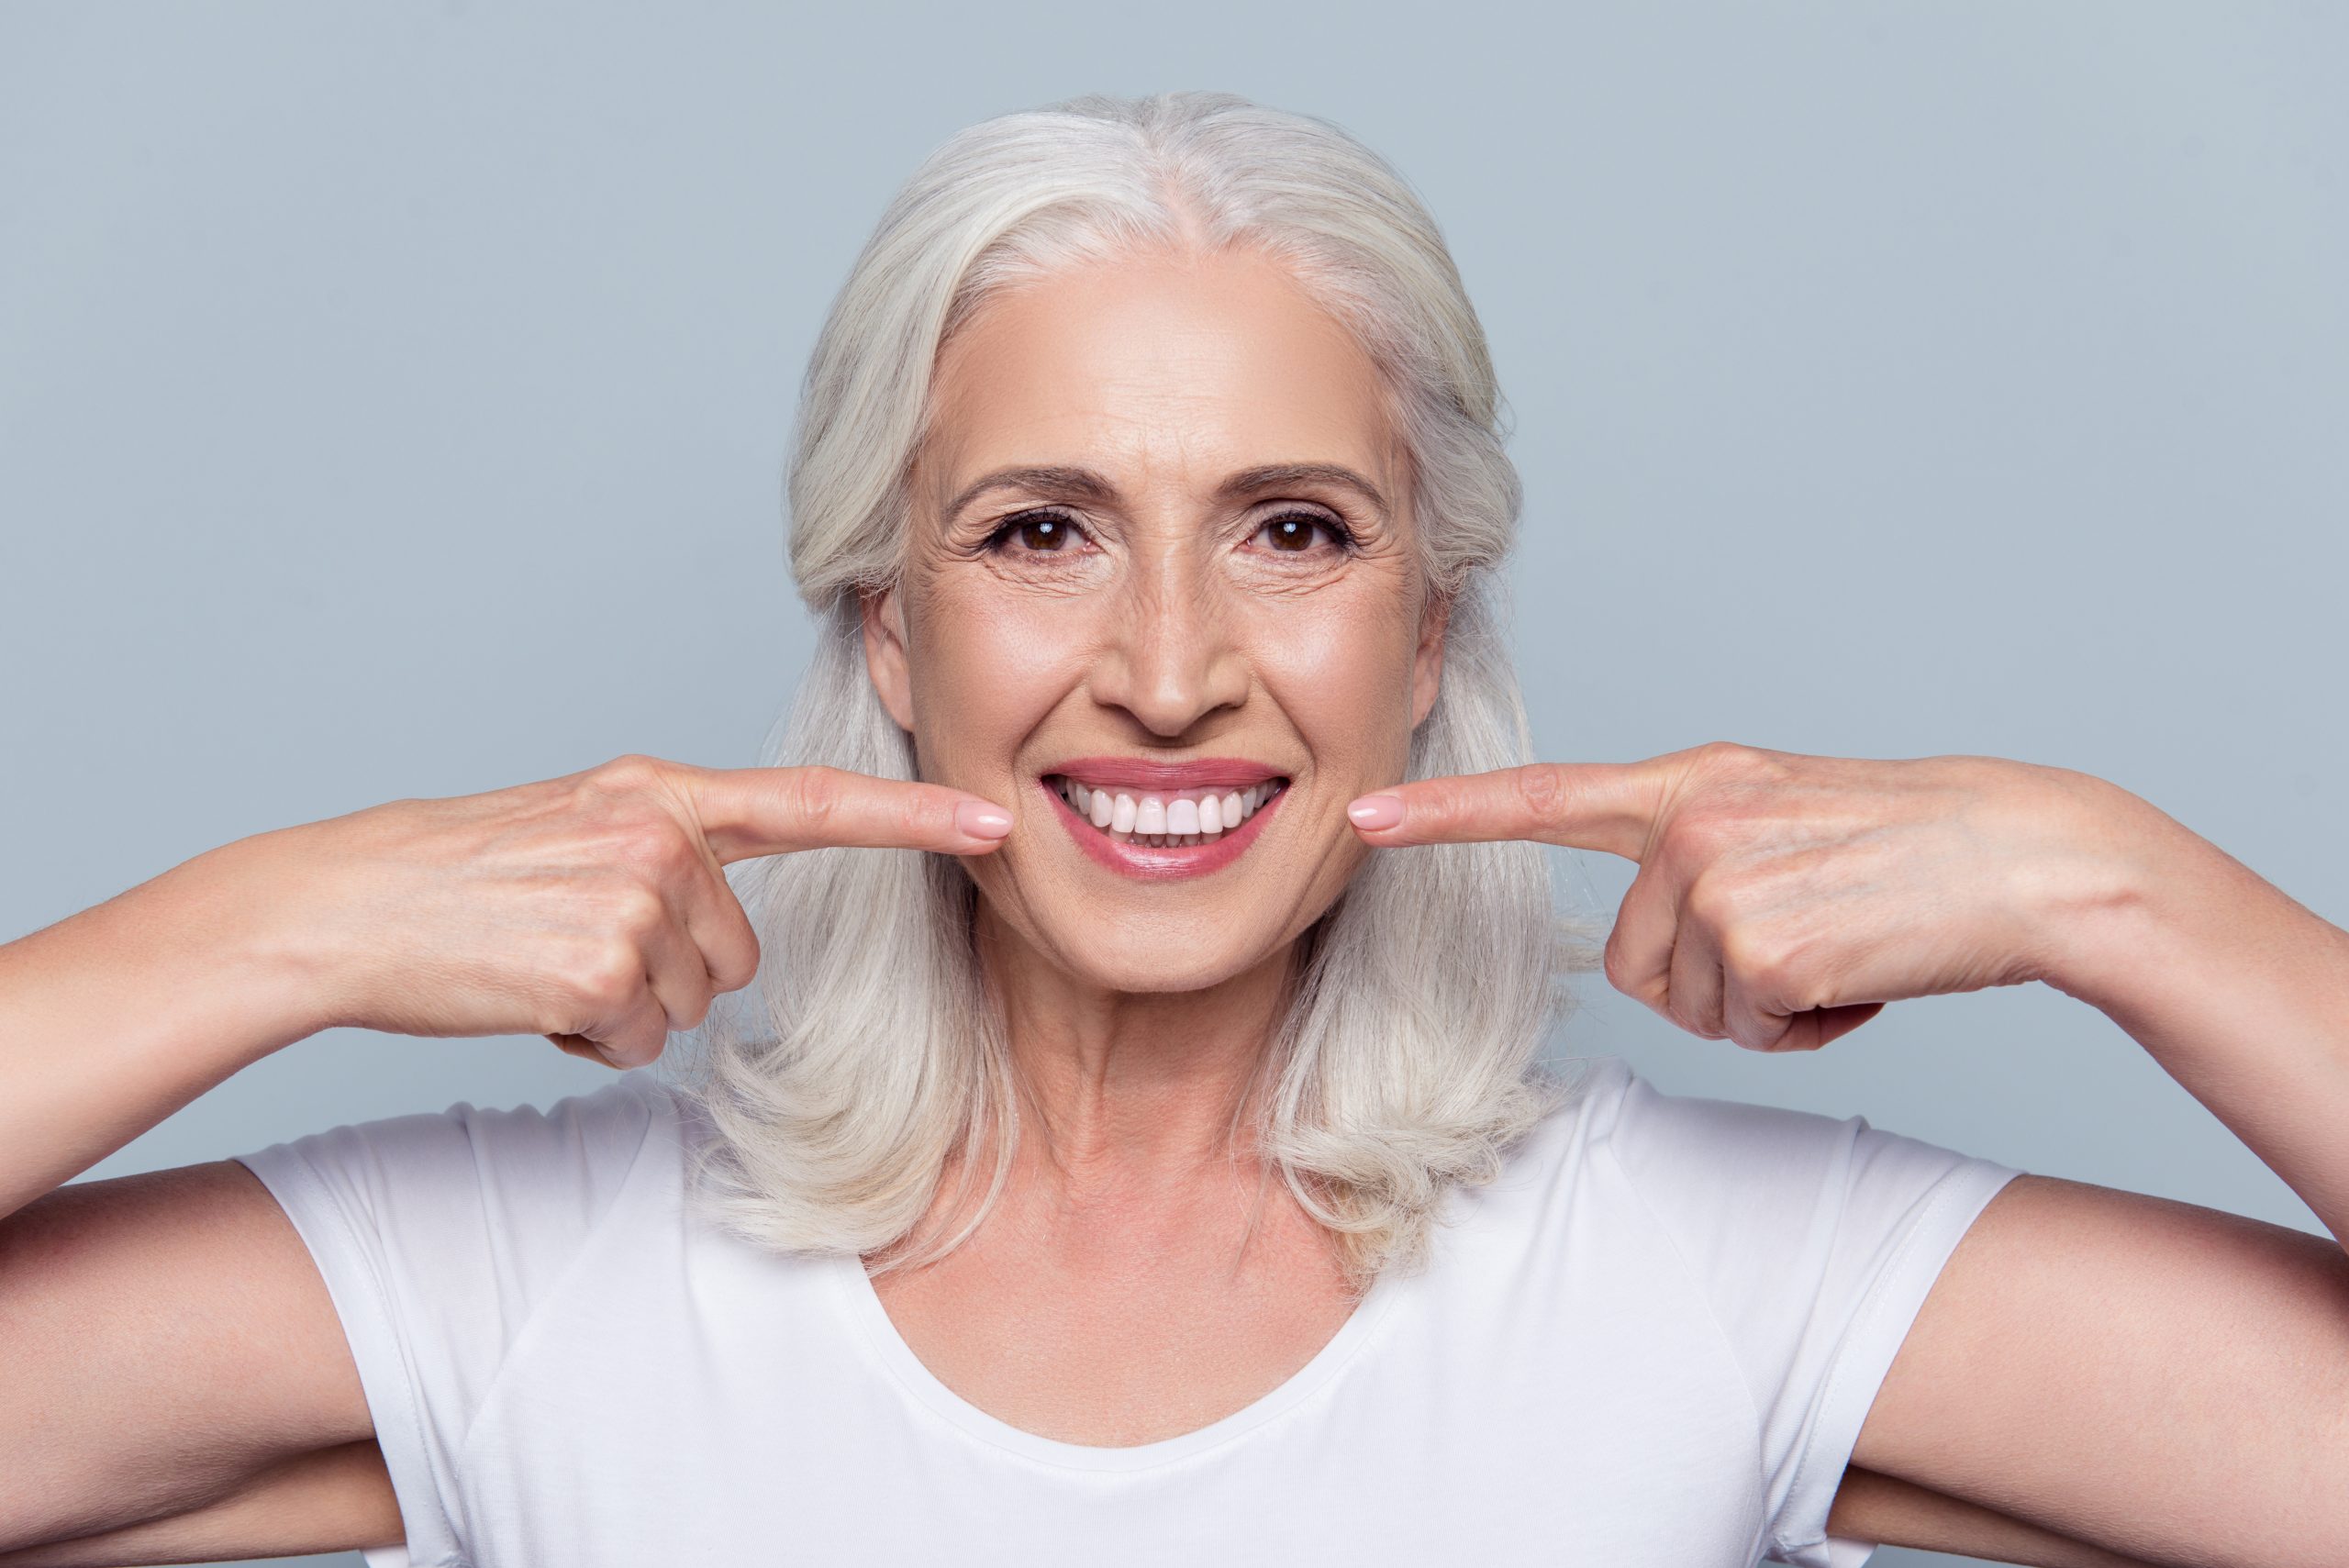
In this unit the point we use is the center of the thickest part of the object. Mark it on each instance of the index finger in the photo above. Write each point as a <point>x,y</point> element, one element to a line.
<point>746,812</point>
<point>1611,807</point>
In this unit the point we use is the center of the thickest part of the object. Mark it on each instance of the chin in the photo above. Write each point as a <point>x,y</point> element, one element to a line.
<point>1154,956</point>
<point>1159,975</point>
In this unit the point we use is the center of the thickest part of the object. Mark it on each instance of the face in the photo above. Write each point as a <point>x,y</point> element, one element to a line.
<point>1160,579</point>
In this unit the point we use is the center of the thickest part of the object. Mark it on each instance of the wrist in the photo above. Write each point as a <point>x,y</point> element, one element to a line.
<point>2114,925</point>
<point>234,933</point>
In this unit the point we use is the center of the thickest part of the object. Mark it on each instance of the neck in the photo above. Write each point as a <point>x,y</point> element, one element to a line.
<point>1123,1089</point>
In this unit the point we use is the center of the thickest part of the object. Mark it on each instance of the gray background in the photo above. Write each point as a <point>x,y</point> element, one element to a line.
<point>393,402</point>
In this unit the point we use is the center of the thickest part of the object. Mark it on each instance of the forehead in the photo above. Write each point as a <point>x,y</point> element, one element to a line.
<point>1157,368</point>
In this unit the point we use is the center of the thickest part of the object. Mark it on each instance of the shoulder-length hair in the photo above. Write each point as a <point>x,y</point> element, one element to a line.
<point>867,1057</point>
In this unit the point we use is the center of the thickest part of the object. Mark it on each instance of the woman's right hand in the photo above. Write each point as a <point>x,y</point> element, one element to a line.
<point>590,908</point>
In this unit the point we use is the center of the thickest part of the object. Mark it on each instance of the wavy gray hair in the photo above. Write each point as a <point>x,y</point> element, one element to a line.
<point>867,1057</point>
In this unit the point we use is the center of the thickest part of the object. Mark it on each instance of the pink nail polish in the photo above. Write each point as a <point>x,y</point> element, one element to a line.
<point>981,821</point>
<point>1375,811</point>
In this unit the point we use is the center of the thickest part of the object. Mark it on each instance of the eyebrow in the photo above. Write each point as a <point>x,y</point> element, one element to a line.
<point>1064,482</point>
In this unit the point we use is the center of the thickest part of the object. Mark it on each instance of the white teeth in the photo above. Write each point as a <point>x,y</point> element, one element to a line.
<point>1158,822</point>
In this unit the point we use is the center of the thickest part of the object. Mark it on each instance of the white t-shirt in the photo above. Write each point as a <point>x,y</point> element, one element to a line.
<point>1651,1341</point>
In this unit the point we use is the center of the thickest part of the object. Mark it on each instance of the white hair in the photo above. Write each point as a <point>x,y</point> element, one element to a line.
<point>868,1055</point>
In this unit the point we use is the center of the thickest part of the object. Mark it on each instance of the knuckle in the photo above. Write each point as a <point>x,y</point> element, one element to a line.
<point>1643,985</point>
<point>1744,953</point>
<point>1712,902</point>
<point>736,964</point>
<point>1748,1025</point>
<point>1687,1006</point>
<point>1761,963</point>
<point>637,911</point>
<point>1616,965</point>
<point>1542,790</point>
<point>815,794</point>
<point>1733,759</point>
<point>653,842</point>
<point>609,975</point>
<point>628,773</point>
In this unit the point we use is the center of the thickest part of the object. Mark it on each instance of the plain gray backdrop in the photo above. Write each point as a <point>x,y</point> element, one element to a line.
<point>394,399</point>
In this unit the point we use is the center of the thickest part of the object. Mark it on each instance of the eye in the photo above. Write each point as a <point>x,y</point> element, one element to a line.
<point>1293,533</point>
<point>1036,533</point>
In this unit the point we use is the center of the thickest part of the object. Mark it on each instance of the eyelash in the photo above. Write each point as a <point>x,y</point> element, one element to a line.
<point>1339,533</point>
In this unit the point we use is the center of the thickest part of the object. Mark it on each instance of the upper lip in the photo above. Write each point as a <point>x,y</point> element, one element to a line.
<point>1143,772</point>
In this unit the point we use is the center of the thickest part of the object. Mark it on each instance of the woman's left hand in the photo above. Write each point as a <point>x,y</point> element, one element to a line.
<point>1782,899</point>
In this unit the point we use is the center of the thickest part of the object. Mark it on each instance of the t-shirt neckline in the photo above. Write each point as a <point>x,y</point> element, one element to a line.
<point>863,1304</point>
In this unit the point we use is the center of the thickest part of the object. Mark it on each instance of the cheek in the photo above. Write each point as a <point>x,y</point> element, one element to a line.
<point>1342,672</point>
<point>984,676</point>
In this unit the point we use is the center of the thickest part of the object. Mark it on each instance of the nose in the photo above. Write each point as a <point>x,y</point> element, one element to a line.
<point>1173,659</point>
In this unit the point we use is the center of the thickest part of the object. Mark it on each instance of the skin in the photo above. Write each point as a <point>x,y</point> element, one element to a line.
<point>2096,1378</point>
<point>1141,1278</point>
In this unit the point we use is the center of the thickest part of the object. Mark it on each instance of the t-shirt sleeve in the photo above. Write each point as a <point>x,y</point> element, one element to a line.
<point>1815,1242</point>
<point>438,1235</point>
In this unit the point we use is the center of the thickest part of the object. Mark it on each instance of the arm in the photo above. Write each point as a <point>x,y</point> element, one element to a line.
<point>1892,1512</point>
<point>169,1342</point>
<point>2159,1376</point>
<point>172,1356</point>
<point>113,1018</point>
<point>2240,993</point>
<point>138,1390</point>
<point>2151,1377</point>
<point>326,1501</point>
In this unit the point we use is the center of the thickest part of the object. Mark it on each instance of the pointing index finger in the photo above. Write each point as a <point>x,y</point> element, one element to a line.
<point>747,812</point>
<point>1609,807</point>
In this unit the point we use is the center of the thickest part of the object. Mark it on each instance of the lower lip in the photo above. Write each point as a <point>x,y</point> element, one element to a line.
<point>1164,864</point>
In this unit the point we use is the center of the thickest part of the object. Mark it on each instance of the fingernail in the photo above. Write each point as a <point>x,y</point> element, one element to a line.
<point>981,821</point>
<point>1376,811</point>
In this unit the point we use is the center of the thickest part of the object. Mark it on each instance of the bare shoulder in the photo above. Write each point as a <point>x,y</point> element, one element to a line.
<point>2150,1376</point>
<point>170,1344</point>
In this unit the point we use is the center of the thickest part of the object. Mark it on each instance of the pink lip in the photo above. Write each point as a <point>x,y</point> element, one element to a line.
<point>1161,865</point>
<point>1139,772</point>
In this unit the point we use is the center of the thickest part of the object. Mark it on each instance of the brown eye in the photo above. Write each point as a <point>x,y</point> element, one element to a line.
<point>1292,533</point>
<point>1036,533</point>
<point>1043,533</point>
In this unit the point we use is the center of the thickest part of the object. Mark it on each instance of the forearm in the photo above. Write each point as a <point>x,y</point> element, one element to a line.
<point>2239,992</point>
<point>115,1017</point>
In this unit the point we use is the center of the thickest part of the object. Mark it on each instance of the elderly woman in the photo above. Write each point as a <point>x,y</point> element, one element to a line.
<point>1133,1147</point>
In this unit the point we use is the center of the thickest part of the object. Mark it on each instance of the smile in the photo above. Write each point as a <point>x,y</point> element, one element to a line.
<point>1162,819</point>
